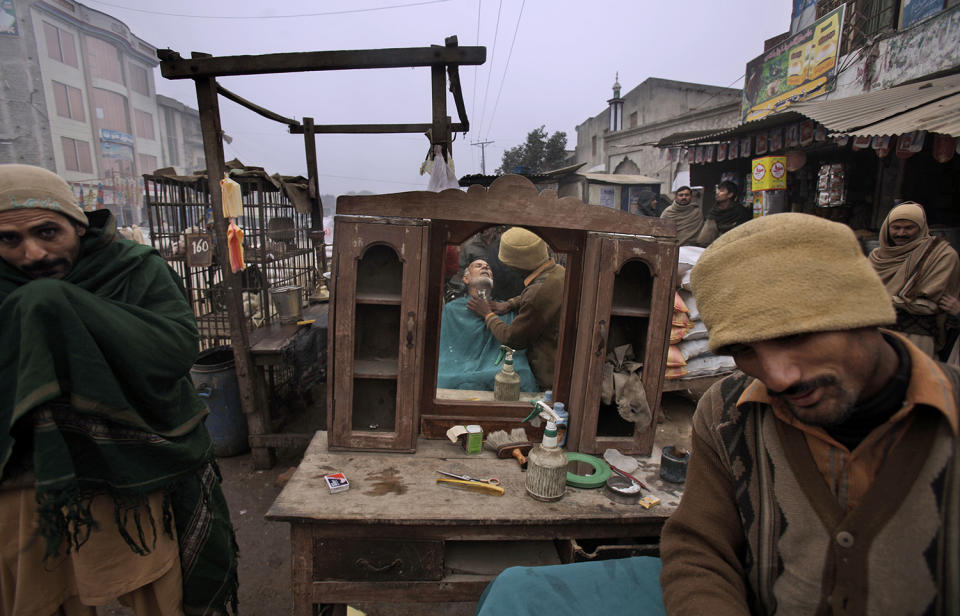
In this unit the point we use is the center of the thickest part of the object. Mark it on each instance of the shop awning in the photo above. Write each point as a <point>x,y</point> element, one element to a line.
<point>942,116</point>
<point>931,105</point>
<point>893,111</point>
<point>620,178</point>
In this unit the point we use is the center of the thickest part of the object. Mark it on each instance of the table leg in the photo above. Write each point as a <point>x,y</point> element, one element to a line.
<point>258,423</point>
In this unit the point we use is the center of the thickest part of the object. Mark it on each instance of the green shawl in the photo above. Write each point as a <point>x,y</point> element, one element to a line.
<point>95,380</point>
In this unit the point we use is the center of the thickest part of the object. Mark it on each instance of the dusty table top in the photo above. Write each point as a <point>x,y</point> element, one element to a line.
<point>400,489</point>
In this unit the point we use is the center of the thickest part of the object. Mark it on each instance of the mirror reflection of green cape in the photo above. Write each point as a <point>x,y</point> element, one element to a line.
<point>468,351</point>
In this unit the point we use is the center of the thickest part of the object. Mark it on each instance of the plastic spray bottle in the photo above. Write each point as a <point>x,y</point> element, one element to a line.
<point>506,385</point>
<point>546,477</point>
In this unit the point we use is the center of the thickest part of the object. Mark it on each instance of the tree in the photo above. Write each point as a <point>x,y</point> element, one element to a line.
<point>537,155</point>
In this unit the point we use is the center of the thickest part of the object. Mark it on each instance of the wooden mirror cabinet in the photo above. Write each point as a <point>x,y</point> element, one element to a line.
<point>387,297</point>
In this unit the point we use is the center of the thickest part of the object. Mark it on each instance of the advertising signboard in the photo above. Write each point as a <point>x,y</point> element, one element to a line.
<point>796,70</point>
<point>8,18</point>
<point>116,136</point>
<point>912,11</point>
<point>769,173</point>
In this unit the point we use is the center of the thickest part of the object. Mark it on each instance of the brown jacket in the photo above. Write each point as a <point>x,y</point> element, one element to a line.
<point>537,324</point>
<point>761,529</point>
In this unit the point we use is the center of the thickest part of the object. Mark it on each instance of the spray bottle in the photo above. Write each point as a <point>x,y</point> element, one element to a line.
<point>506,385</point>
<point>546,477</point>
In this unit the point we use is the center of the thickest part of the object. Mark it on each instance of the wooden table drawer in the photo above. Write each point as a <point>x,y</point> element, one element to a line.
<point>377,560</point>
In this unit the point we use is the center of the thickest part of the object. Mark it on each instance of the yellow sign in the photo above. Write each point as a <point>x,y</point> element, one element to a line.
<point>769,173</point>
<point>796,70</point>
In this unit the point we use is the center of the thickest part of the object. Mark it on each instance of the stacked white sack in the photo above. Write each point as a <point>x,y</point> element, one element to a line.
<point>691,357</point>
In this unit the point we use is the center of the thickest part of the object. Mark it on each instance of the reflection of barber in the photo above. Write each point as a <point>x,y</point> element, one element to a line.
<point>537,324</point>
<point>467,350</point>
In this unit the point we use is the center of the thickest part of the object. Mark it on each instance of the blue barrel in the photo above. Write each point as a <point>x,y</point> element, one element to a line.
<point>215,378</point>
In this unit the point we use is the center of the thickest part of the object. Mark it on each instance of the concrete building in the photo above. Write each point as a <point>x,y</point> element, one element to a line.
<point>181,136</point>
<point>620,139</point>
<point>78,97</point>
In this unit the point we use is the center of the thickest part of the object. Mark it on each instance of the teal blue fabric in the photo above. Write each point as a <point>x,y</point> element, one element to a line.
<point>468,351</point>
<point>625,586</point>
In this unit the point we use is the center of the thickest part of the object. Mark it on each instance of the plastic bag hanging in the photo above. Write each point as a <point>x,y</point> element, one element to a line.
<point>442,175</point>
<point>232,198</point>
<point>235,247</point>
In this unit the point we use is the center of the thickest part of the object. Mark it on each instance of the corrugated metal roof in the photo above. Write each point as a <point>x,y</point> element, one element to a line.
<point>942,116</point>
<point>689,136</point>
<point>931,105</point>
<point>620,178</point>
<point>845,115</point>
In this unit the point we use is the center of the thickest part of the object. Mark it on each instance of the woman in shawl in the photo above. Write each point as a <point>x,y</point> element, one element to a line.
<point>917,269</point>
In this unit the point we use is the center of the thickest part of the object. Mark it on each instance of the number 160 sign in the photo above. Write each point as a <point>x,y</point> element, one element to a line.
<point>199,249</point>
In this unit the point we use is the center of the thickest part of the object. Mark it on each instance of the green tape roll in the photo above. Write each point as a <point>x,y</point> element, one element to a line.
<point>596,479</point>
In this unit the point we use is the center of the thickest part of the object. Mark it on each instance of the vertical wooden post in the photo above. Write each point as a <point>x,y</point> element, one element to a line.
<point>209,108</point>
<point>316,207</point>
<point>440,133</point>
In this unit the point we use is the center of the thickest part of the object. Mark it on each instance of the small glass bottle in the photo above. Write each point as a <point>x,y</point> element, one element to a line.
<point>563,425</point>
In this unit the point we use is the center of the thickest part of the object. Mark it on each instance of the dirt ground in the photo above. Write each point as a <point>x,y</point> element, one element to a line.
<point>265,546</point>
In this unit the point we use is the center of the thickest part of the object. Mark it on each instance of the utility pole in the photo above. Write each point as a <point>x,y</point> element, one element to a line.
<point>483,150</point>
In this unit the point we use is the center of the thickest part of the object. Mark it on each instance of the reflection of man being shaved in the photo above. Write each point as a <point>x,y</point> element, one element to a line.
<point>537,325</point>
<point>468,349</point>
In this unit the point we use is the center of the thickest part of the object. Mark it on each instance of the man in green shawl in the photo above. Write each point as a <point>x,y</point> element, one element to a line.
<point>108,487</point>
<point>468,351</point>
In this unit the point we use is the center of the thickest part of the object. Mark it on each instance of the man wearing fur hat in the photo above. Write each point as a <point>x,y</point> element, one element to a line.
<point>108,488</point>
<point>823,478</point>
<point>918,270</point>
<point>536,326</point>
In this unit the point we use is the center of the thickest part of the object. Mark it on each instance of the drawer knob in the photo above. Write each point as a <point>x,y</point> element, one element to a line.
<point>363,563</point>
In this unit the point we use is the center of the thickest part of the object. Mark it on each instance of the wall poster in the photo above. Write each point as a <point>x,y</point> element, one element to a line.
<point>8,18</point>
<point>796,70</point>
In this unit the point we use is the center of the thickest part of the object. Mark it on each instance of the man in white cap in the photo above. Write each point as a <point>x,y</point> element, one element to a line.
<point>108,487</point>
<point>823,478</point>
<point>918,270</point>
<point>537,324</point>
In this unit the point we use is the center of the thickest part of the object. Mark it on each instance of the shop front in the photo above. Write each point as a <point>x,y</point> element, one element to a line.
<point>849,159</point>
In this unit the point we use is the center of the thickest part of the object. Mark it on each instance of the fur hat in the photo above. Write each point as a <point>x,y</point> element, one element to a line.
<point>26,186</point>
<point>786,274</point>
<point>522,249</point>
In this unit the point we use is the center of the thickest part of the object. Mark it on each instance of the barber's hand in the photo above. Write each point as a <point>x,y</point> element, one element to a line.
<point>949,303</point>
<point>500,307</point>
<point>480,306</point>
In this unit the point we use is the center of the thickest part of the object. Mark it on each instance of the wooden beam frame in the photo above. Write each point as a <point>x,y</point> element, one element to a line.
<point>204,69</point>
<point>173,66</point>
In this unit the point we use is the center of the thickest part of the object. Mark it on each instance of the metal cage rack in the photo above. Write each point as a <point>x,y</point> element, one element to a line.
<point>278,249</point>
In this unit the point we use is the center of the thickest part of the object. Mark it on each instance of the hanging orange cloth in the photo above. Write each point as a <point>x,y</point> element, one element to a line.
<point>235,247</point>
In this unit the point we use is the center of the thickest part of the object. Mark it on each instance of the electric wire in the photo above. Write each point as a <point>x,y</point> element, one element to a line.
<point>259,17</point>
<point>493,50</point>
<point>506,67</point>
<point>715,94</point>
<point>476,69</point>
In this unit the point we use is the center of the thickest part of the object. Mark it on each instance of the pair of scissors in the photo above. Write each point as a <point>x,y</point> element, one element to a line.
<point>493,481</point>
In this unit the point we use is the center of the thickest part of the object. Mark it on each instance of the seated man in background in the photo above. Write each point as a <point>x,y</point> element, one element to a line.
<point>468,351</point>
<point>918,270</point>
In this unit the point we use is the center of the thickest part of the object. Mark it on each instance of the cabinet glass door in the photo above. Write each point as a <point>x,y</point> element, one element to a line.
<point>377,334</point>
<point>626,316</point>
